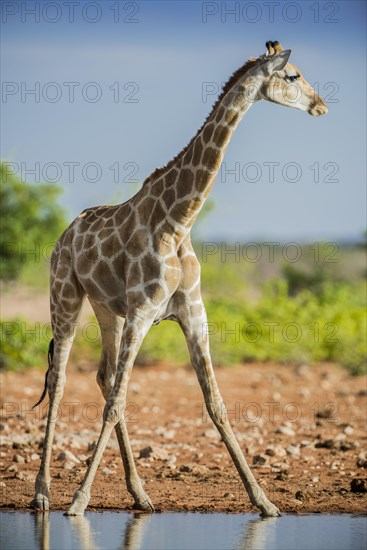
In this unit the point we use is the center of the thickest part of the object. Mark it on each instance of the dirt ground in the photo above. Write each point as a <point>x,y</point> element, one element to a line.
<point>303,431</point>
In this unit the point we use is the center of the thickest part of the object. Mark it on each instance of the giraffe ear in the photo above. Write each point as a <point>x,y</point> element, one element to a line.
<point>277,62</point>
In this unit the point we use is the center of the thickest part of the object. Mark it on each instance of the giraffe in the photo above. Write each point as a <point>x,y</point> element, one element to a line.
<point>136,264</point>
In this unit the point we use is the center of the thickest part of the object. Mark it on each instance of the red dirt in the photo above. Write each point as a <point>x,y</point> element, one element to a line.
<point>323,405</point>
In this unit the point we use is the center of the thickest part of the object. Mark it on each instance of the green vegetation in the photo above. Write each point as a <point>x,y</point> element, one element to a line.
<point>23,344</point>
<point>31,223</point>
<point>287,303</point>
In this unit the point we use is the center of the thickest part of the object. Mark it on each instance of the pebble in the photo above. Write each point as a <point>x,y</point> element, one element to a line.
<point>275,450</point>
<point>83,458</point>
<point>211,434</point>
<point>348,430</point>
<point>18,458</point>
<point>26,476</point>
<point>68,455</point>
<point>285,430</point>
<point>358,485</point>
<point>134,387</point>
<point>168,434</point>
<point>107,471</point>
<point>154,452</point>
<point>260,459</point>
<point>362,459</point>
<point>196,469</point>
<point>280,466</point>
<point>293,450</point>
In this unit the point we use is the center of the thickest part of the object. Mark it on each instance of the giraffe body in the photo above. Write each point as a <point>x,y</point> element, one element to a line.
<point>136,264</point>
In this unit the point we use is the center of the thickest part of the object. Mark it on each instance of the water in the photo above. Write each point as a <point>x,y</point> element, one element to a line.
<point>180,531</point>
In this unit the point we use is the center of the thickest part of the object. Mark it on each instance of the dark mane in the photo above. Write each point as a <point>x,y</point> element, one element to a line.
<point>239,73</point>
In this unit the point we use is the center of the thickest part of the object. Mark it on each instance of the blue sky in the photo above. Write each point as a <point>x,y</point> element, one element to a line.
<point>166,61</point>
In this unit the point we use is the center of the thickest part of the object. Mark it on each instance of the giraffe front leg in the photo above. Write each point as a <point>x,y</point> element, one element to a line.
<point>194,327</point>
<point>133,481</point>
<point>134,331</point>
<point>111,330</point>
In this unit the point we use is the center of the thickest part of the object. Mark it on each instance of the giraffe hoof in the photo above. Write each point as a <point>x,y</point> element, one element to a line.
<point>79,504</point>
<point>271,512</point>
<point>145,505</point>
<point>40,503</point>
<point>74,511</point>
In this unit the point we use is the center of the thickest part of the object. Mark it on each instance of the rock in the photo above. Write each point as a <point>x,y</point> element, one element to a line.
<point>260,459</point>
<point>134,387</point>
<point>285,430</point>
<point>211,434</point>
<point>293,450</point>
<point>302,371</point>
<point>326,444</point>
<point>69,465</point>
<point>304,392</point>
<point>168,434</point>
<point>3,427</point>
<point>362,459</point>
<point>26,476</point>
<point>83,458</point>
<point>171,462</point>
<point>348,445</point>
<point>68,455</point>
<point>35,456</point>
<point>2,484</point>
<point>280,467</point>
<point>315,479</point>
<point>107,471</point>
<point>299,495</point>
<point>282,476</point>
<point>21,441</point>
<point>348,430</point>
<point>196,469</point>
<point>358,485</point>
<point>326,412</point>
<point>154,452</point>
<point>275,450</point>
<point>18,458</point>
<point>12,468</point>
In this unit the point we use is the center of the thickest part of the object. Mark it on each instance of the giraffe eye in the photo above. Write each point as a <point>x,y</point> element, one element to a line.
<point>291,78</point>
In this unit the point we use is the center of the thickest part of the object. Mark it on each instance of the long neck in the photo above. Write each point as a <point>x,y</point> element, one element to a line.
<point>194,173</point>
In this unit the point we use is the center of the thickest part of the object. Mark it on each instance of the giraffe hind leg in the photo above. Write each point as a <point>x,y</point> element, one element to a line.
<point>64,317</point>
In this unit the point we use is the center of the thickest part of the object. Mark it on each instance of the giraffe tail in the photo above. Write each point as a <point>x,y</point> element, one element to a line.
<point>49,357</point>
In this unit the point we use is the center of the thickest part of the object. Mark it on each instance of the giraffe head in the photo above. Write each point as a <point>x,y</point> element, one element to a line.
<point>283,83</point>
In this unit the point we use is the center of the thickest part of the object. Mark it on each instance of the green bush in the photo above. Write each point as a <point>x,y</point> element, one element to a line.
<point>31,222</point>
<point>22,345</point>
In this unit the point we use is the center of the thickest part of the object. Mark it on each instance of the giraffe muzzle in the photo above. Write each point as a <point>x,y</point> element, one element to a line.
<point>318,109</point>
